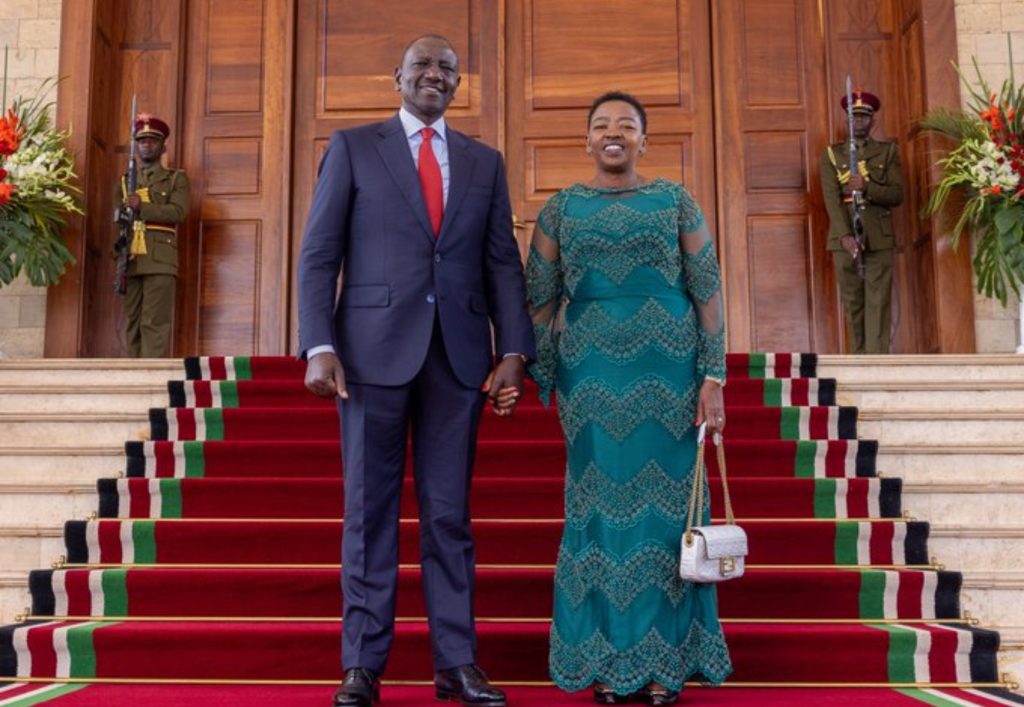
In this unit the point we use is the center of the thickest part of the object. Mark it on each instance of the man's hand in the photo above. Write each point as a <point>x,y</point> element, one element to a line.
<point>504,385</point>
<point>133,201</point>
<point>325,376</point>
<point>711,407</point>
<point>849,244</point>
<point>857,182</point>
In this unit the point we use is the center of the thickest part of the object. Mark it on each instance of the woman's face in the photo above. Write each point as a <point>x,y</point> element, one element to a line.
<point>616,138</point>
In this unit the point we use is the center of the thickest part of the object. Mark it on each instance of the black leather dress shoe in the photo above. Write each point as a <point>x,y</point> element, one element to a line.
<point>360,688</point>
<point>467,684</point>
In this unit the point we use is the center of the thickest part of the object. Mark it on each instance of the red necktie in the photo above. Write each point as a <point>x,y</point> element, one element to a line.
<point>430,181</point>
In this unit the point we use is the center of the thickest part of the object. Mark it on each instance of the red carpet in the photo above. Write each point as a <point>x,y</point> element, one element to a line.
<point>217,558</point>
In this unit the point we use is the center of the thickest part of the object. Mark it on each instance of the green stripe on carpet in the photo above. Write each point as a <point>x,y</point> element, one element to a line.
<point>195,461</point>
<point>243,368</point>
<point>846,542</point>
<point>82,651</point>
<point>214,418</point>
<point>902,647</point>
<point>144,540</point>
<point>824,498</point>
<point>806,454</point>
<point>229,394</point>
<point>755,365</point>
<point>929,698</point>
<point>115,592</point>
<point>45,694</point>
<point>872,594</point>
<point>789,425</point>
<point>170,498</point>
<point>773,392</point>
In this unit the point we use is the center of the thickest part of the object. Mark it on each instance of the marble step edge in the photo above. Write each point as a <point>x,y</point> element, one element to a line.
<point>971,448</point>
<point>106,450</point>
<point>975,531</point>
<point>921,414</point>
<point>895,360</point>
<point>174,365</point>
<point>118,389</point>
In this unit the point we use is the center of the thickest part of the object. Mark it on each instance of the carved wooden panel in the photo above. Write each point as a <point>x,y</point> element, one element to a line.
<point>228,286</point>
<point>234,56</point>
<point>768,105</point>
<point>231,165</point>
<point>563,54</point>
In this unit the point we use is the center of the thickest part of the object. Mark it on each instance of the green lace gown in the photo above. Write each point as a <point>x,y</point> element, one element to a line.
<point>625,296</point>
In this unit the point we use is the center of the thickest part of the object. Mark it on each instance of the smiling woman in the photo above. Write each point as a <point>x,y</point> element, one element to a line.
<point>626,301</point>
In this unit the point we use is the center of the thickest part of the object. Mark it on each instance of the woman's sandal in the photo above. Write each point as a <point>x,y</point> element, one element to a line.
<point>658,695</point>
<point>604,695</point>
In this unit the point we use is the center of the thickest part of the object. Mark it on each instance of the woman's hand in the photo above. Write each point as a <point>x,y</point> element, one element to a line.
<point>711,407</point>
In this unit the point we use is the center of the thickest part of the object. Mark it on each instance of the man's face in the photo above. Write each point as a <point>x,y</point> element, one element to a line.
<point>427,78</point>
<point>150,148</point>
<point>862,124</point>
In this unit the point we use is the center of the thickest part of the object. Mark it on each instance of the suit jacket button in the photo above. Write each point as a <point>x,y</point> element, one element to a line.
<point>437,258</point>
<point>431,299</point>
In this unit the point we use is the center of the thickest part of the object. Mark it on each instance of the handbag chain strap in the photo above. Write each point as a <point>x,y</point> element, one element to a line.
<point>697,489</point>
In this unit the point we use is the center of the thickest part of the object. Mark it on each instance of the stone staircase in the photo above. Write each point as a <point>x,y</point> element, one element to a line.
<point>951,426</point>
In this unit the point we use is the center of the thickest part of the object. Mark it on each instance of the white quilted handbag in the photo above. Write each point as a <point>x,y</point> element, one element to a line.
<point>711,553</point>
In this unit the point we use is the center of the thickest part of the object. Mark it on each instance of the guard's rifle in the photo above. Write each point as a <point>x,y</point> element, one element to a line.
<point>856,198</point>
<point>125,215</point>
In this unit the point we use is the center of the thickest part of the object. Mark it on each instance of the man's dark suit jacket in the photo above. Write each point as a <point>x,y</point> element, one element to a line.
<point>369,220</point>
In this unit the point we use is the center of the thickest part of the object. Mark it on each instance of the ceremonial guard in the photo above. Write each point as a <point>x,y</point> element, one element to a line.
<point>161,204</point>
<point>878,183</point>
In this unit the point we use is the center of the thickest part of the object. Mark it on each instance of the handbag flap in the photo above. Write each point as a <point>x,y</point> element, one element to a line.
<point>723,540</point>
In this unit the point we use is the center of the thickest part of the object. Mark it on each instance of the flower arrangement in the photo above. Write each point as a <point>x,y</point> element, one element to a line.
<point>987,167</point>
<point>36,192</point>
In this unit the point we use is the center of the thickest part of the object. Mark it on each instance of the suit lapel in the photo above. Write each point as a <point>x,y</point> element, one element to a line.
<point>393,147</point>
<point>460,168</point>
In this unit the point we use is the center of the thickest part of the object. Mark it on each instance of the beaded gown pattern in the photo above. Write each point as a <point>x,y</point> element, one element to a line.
<point>625,295</point>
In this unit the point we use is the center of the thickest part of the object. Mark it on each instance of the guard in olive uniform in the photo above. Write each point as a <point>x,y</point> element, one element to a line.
<point>161,203</point>
<point>878,178</point>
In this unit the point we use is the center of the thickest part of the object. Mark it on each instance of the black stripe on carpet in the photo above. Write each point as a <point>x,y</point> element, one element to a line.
<point>40,584</point>
<point>106,489</point>
<point>193,371</point>
<point>847,422</point>
<point>890,498</point>
<point>915,545</point>
<point>74,541</point>
<point>984,652</point>
<point>135,459</point>
<point>809,365</point>
<point>158,428</point>
<point>176,393</point>
<point>826,392</point>
<point>867,457</point>
<point>947,595</point>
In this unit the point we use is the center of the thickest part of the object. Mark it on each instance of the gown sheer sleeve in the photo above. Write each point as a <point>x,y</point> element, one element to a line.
<point>544,293</point>
<point>703,282</point>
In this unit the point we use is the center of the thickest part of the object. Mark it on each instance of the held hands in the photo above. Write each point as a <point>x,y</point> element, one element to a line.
<point>857,182</point>
<point>711,407</point>
<point>133,201</point>
<point>849,244</point>
<point>504,385</point>
<point>325,377</point>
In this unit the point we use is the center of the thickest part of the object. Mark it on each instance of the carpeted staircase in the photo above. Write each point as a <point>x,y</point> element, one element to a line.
<point>214,565</point>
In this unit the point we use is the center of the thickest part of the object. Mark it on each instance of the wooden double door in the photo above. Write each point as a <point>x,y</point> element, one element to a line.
<point>740,96</point>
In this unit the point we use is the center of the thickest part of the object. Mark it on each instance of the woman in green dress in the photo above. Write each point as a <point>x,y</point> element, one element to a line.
<point>626,299</point>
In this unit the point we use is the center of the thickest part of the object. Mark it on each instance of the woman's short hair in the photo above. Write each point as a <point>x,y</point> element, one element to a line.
<point>619,96</point>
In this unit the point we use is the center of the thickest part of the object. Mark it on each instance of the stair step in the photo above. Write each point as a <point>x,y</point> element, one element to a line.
<point>70,429</point>
<point>86,398</point>
<point>977,396</point>
<point>835,594</point>
<point>901,368</point>
<point>516,651</point>
<point>14,595</point>
<point>900,427</point>
<point>977,548</point>
<point>939,462</point>
<point>27,547</point>
<point>263,541</point>
<point>966,503</point>
<point>995,598</point>
<point>48,503</point>
<point>62,465</point>
<point>72,372</point>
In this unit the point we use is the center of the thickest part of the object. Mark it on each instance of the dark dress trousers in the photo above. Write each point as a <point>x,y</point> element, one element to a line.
<point>413,329</point>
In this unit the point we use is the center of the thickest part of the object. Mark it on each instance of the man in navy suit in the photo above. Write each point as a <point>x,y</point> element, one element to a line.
<point>415,217</point>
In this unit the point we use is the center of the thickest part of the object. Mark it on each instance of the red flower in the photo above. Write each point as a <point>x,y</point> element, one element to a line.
<point>6,192</point>
<point>10,133</point>
<point>3,174</point>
